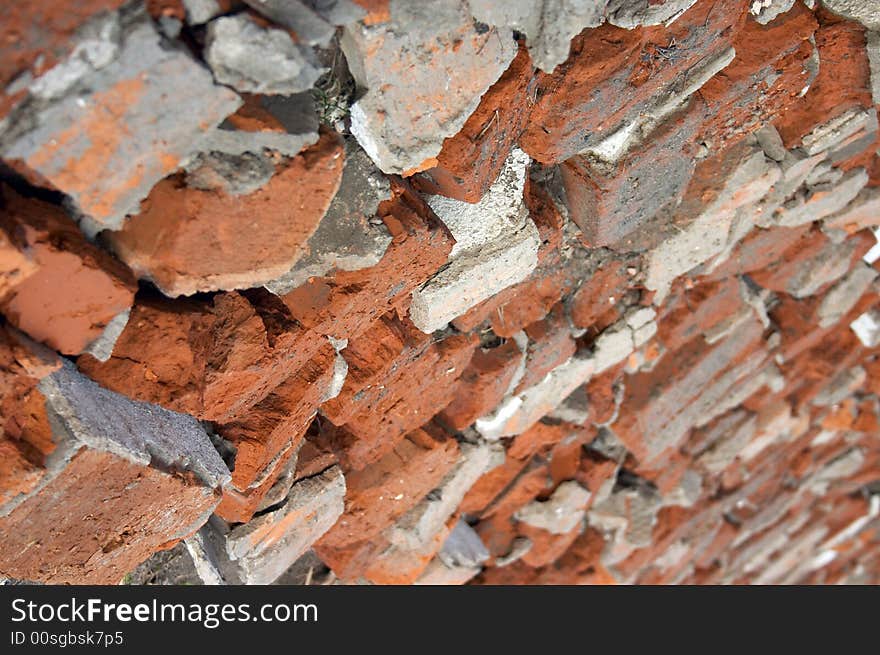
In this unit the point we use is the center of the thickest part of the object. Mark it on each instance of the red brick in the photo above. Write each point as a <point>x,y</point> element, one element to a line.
<point>612,74</point>
<point>213,359</point>
<point>270,433</point>
<point>550,345</point>
<point>842,84</point>
<point>188,239</point>
<point>382,492</point>
<point>344,305</point>
<point>471,160</point>
<point>56,286</point>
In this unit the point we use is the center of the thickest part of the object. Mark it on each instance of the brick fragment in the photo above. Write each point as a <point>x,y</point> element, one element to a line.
<point>105,148</point>
<point>390,121</point>
<point>188,239</point>
<point>144,476</point>
<point>213,359</point>
<point>261,550</point>
<point>55,285</point>
<point>472,160</point>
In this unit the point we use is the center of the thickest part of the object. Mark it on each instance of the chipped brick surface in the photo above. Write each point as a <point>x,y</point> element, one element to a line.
<point>478,293</point>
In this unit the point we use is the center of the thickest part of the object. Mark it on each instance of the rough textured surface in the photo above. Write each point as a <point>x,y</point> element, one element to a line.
<point>260,551</point>
<point>402,124</point>
<point>144,476</point>
<point>253,237</point>
<point>496,245</point>
<point>56,286</point>
<point>349,236</point>
<point>253,59</point>
<point>70,136</point>
<point>461,292</point>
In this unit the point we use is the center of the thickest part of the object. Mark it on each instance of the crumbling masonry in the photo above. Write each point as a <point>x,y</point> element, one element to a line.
<point>459,291</point>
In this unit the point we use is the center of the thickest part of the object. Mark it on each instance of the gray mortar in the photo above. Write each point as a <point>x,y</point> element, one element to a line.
<point>550,25</point>
<point>397,134</point>
<point>867,12</point>
<point>85,415</point>
<point>102,347</point>
<point>199,12</point>
<point>239,554</point>
<point>765,11</point>
<point>559,514</point>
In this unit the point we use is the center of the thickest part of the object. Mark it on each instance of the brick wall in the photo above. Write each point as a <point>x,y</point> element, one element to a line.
<point>479,292</point>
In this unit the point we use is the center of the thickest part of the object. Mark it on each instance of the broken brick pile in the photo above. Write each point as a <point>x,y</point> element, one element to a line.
<point>499,292</point>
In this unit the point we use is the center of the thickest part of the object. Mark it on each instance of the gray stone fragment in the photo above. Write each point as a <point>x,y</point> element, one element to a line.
<point>281,488</point>
<point>841,386</point>
<point>771,143</point>
<point>98,43</point>
<point>139,432</point>
<point>867,328</point>
<point>574,409</point>
<point>843,296</point>
<point>496,245</point>
<point>58,136</point>
<point>234,175</point>
<point>711,233</point>
<point>254,59</point>
<point>629,516</point>
<point>261,550</point>
<point>867,12</point>
<point>832,133</point>
<point>765,11</point>
<point>549,25</point>
<point>608,445</point>
<point>349,237</point>
<point>607,148</point>
<point>828,265</point>
<point>617,342</point>
<point>874,61</point>
<point>199,12</point>
<point>337,12</point>
<point>296,113</point>
<point>340,370</point>
<point>687,492</point>
<point>521,546</point>
<point>424,72</point>
<point>561,513</point>
<point>842,466</point>
<point>630,14</point>
<point>858,143</point>
<point>463,547</point>
<point>824,173</point>
<point>518,413</point>
<point>727,439</point>
<point>310,27</point>
<point>102,347</point>
<point>205,565</point>
<point>794,170</point>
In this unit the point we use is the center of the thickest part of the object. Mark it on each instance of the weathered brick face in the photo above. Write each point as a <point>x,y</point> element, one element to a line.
<point>468,293</point>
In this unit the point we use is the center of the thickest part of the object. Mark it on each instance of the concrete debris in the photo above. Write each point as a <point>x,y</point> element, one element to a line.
<point>253,59</point>
<point>496,246</point>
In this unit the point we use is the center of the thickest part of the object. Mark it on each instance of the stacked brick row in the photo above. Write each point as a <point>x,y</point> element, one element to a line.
<point>438,293</point>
